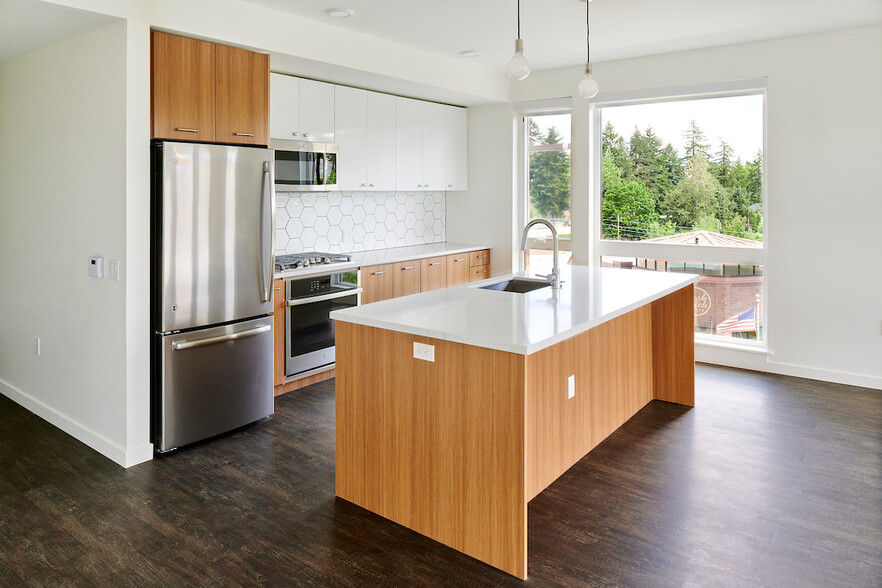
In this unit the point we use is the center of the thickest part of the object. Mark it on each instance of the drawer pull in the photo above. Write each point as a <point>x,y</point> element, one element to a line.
<point>187,130</point>
<point>244,134</point>
<point>377,273</point>
<point>481,272</point>
<point>460,259</point>
<point>481,256</point>
<point>410,267</point>
<point>436,263</point>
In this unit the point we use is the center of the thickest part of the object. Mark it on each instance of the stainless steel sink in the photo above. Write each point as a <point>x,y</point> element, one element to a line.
<point>518,285</point>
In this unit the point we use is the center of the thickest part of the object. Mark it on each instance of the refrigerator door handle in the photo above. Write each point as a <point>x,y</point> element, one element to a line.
<point>182,345</point>
<point>266,216</point>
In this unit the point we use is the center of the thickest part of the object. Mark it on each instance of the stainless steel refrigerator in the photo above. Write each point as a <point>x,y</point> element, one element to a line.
<point>211,279</point>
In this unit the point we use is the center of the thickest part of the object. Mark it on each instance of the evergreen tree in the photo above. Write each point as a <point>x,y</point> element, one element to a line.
<point>722,167</point>
<point>695,197</point>
<point>613,146</point>
<point>695,142</point>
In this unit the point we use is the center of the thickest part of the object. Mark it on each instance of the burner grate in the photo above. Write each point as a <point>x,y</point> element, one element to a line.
<point>309,259</point>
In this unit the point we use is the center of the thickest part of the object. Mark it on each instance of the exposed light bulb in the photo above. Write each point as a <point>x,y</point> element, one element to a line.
<point>588,87</point>
<point>518,66</point>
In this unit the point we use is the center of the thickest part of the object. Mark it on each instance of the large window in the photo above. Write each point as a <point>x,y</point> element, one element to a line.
<point>548,187</point>
<point>681,190</point>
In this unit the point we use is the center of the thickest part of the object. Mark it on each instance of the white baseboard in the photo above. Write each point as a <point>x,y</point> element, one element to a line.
<point>96,441</point>
<point>765,363</point>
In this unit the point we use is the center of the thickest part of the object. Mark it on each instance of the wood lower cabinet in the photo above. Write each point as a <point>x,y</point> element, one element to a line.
<point>278,332</point>
<point>182,90</point>
<point>480,257</point>
<point>407,278</point>
<point>377,283</point>
<point>457,269</point>
<point>479,265</point>
<point>242,96</point>
<point>203,91</point>
<point>433,273</point>
<point>479,272</point>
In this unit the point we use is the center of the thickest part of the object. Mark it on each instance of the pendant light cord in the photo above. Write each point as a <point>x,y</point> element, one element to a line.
<point>519,19</point>
<point>587,32</point>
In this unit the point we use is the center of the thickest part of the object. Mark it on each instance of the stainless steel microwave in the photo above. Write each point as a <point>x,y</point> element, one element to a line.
<point>305,166</point>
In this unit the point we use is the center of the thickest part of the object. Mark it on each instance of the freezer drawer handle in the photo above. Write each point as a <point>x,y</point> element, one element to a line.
<point>181,345</point>
<point>311,299</point>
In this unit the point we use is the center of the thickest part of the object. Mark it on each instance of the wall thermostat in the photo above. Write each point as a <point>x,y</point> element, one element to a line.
<point>96,267</point>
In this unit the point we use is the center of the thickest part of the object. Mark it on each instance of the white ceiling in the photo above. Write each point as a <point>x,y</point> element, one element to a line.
<point>27,25</point>
<point>554,30</point>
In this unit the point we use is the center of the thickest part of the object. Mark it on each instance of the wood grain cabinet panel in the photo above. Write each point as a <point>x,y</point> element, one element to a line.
<point>242,90</point>
<point>377,283</point>
<point>278,332</point>
<point>457,269</point>
<point>182,88</point>
<point>480,257</point>
<point>433,273</point>
<point>480,272</point>
<point>407,278</point>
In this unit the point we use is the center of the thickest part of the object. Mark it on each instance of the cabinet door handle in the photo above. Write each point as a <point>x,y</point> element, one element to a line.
<point>377,273</point>
<point>294,133</point>
<point>449,185</point>
<point>306,135</point>
<point>481,256</point>
<point>460,259</point>
<point>410,267</point>
<point>364,185</point>
<point>372,185</point>
<point>187,130</point>
<point>436,263</point>
<point>244,134</point>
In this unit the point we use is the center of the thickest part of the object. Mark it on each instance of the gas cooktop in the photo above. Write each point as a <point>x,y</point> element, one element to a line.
<point>309,259</point>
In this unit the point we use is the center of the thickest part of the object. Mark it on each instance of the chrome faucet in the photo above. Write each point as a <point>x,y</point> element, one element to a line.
<point>554,277</point>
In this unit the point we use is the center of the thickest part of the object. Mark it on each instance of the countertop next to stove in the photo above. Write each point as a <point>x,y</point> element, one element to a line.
<point>381,256</point>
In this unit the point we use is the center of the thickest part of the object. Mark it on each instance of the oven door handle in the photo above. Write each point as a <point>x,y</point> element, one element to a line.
<point>331,296</point>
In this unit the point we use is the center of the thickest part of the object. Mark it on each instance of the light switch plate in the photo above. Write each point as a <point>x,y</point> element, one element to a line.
<point>113,269</point>
<point>96,267</point>
<point>571,387</point>
<point>423,351</point>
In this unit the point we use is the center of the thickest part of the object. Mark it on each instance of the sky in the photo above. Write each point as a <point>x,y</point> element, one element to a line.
<point>737,119</point>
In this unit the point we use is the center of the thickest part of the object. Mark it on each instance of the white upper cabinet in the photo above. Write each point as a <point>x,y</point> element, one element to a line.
<point>351,122</point>
<point>365,131</point>
<point>409,144</point>
<point>457,153</point>
<point>434,146</point>
<point>301,110</point>
<point>284,107</point>
<point>381,142</point>
<point>317,111</point>
<point>386,143</point>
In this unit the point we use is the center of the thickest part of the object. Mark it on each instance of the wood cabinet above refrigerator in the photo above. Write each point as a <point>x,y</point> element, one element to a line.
<point>203,91</point>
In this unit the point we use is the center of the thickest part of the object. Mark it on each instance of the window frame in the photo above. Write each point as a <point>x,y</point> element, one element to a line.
<point>725,255</point>
<point>524,110</point>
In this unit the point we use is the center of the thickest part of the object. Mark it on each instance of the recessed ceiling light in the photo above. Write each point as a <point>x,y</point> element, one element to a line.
<point>470,53</point>
<point>339,12</point>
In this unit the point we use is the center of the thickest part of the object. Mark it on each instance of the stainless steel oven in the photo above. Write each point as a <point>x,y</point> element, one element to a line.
<point>309,337</point>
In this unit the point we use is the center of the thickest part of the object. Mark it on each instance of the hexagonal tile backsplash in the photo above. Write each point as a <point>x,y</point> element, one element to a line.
<point>346,222</point>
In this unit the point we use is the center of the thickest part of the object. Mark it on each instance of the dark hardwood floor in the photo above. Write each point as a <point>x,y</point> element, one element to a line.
<point>768,481</point>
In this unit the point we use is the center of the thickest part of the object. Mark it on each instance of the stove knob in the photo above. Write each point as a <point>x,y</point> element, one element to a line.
<point>327,260</point>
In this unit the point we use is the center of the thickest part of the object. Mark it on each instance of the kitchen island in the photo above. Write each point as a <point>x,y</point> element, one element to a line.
<point>509,391</point>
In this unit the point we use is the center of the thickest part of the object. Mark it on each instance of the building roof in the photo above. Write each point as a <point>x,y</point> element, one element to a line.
<point>706,239</point>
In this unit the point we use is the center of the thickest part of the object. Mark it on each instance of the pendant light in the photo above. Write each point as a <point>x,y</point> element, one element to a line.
<point>588,87</point>
<point>518,66</point>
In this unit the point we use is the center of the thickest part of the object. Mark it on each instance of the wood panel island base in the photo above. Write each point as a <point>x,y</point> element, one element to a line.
<point>455,448</point>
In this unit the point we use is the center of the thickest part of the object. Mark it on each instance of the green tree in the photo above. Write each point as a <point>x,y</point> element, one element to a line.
<point>613,146</point>
<point>695,142</point>
<point>695,197</point>
<point>722,165</point>
<point>549,176</point>
<point>627,208</point>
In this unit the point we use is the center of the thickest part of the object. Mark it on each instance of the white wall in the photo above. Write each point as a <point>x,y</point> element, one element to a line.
<point>824,199</point>
<point>62,200</point>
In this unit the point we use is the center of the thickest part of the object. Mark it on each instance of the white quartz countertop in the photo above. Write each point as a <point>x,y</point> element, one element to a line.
<point>381,256</point>
<point>519,323</point>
